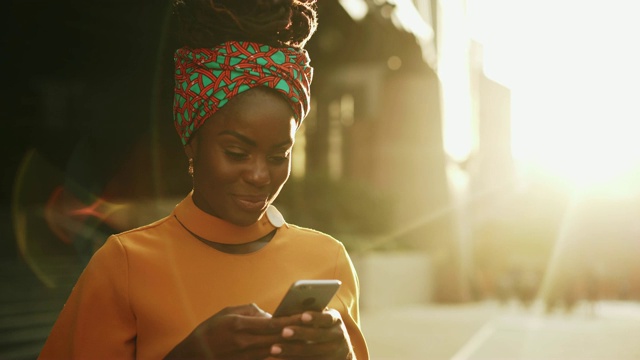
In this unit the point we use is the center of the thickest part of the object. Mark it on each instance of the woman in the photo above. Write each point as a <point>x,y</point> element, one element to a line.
<point>201,283</point>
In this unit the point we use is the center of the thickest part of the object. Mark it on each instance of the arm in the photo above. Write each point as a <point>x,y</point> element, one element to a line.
<point>96,321</point>
<point>239,332</point>
<point>334,333</point>
<point>317,335</point>
<point>349,304</point>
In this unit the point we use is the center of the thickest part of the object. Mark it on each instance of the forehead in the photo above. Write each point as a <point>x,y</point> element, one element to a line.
<point>257,113</point>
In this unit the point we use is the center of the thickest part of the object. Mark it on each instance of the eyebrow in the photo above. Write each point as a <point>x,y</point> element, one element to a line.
<point>251,142</point>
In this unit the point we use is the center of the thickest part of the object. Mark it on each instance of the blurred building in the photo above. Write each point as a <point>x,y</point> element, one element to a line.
<point>370,166</point>
<point>376,127</point>
<point>371,163</point>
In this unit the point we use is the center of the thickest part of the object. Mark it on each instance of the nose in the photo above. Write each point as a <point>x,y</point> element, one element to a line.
<point>258,174</point>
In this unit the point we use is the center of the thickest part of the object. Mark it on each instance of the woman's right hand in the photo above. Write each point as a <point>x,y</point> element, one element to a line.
<point>239,332</point>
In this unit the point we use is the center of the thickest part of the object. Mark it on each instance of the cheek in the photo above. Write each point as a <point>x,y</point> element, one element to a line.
<point>281,175</point>
<point>212,169</point>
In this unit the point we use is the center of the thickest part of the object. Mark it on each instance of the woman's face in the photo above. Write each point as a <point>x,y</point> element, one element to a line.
<point>242,156</point>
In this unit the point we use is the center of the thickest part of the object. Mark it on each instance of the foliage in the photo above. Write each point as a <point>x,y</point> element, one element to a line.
<point>352,211</point>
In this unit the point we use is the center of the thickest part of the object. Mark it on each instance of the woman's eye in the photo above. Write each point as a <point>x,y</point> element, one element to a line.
<point>236,155</point>
<point>278,159</point>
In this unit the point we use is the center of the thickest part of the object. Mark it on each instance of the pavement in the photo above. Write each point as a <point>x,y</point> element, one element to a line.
<point>480,331</point>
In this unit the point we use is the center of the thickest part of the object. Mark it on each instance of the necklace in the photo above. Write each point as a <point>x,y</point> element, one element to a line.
<point>245,248</point>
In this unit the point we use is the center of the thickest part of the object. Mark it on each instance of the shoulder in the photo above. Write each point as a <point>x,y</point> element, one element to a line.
<point>158,226</point>
<point>312,238</point>
<point>143,237</point>
<point>140,244</point>
<point>311,234</point>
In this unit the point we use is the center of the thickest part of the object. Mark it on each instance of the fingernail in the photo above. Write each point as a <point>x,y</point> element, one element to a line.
<point>275,350</point>
<point>286,332</point>
<point>306,317</point>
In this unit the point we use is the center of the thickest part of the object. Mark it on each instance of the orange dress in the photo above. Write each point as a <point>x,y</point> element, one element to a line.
<point>146,289</point>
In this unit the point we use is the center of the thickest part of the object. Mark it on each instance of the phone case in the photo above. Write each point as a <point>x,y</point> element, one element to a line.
<point>307,295</point>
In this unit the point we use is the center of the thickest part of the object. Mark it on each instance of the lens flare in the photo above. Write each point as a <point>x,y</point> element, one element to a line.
<point>55,232</point>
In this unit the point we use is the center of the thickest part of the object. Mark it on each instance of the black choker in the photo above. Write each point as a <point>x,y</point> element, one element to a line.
<point>245,248</point>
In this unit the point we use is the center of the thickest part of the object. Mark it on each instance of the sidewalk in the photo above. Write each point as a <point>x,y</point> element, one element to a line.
<point>488,331</point>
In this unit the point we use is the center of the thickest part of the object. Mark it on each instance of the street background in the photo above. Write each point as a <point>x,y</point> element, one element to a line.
<point>479,159</point>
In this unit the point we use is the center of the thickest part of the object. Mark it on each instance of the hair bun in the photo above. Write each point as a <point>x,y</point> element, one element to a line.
<point>281,23</point>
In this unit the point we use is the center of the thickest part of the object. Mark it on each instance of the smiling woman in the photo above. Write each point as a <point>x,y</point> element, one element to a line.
<point>242,160</point>
<point>201,282</point>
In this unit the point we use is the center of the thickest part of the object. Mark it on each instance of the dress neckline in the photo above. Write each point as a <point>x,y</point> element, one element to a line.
<point>214,229</point>
<point>244,248</point>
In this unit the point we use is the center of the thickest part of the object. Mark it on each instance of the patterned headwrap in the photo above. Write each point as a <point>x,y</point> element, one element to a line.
<point>206,79</point>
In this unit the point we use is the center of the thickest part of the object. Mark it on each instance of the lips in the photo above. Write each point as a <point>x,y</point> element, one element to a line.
<point>251,203</point>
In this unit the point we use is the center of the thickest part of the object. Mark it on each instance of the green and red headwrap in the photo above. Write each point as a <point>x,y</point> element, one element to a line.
<point>206,79</point>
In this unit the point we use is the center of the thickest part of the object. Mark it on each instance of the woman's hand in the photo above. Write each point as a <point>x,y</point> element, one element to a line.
<point>320,335</point>
<point>240,332</point>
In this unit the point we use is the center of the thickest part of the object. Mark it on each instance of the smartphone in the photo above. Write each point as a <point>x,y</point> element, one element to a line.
<point>307,295</point>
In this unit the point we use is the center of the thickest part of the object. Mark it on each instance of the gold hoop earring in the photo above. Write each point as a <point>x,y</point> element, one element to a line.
<point>190,171</point>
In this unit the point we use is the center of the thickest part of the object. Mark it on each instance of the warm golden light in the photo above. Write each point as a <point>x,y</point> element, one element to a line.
<point>572,68</point>
<point>453,71</point>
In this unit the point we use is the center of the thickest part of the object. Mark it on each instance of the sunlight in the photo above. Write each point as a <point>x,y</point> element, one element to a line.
<point>357,9</point>
<point>572,69</point>
<point>453,71</point>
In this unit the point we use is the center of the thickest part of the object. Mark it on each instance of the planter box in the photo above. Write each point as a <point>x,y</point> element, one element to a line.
<point>393,279</point>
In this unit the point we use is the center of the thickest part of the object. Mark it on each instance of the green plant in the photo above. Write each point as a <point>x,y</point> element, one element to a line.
<point>352,211</point>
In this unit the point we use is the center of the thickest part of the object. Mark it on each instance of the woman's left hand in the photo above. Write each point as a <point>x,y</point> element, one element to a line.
<point>321,335</point>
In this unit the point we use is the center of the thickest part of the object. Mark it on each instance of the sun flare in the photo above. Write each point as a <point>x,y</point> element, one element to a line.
<point>573,73</point>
